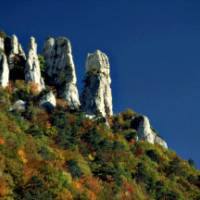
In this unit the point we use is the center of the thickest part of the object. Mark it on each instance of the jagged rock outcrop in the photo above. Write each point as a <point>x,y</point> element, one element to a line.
<point>14,51</point>
<point>4,70</point>
<point>18,106</point>
<point>48,101</point>
<point>60,69</point>
<point>145,132</point>
<point>96,98</point>
<point>32,69</point>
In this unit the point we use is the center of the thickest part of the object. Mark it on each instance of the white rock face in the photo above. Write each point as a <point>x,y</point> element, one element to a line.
<point>32,69</point>
<point>16,46</point>
<point>145,132</point>
<point>19,106</point>
<point>160,141</point>
<point>15,49</point>
<point>96,98</point>
<point>61,70</point>
<point>1,44</point>
<point>4,71</point>
<point>48,101</point>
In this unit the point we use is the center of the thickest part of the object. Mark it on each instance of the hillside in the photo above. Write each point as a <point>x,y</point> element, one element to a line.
<point>63,155</point>
<point>57,146</point>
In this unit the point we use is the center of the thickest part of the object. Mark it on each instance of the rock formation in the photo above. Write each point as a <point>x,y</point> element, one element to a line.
<point>19,106</point>
<point>145,132</point>
<point>4,70</point>
<point>32,69</point>
<point>48,101</point>
<point>96,98</point>
<point>60,69</point>
<point>14,51</point>
<point>1,44</point>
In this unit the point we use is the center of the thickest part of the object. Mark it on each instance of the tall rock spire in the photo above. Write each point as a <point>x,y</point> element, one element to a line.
<point>14,51</point>
<point>96,98</point>
<point>1,44</point>
<point>32,69</point>
<point>60,69</point>
<point>4,70</point>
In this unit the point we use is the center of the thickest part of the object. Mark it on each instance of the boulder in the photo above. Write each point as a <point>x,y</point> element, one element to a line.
<point>160,141</point>
<point>145,132</point>
<point>4,70</point>
<point>48,101</point>
<point>32,69</point>
<point>96,98</point>
<point>60,69</point>
<point>18,106</point>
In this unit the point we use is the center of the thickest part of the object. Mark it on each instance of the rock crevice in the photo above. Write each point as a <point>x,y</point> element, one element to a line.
<point>60,70</point>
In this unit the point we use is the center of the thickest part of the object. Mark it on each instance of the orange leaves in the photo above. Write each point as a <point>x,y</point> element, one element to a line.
<point>127,191</point>
<point>21,153</point>
<point>89,186</point>
<point>93,184</point>
<point>4,188</point>
<point>139,151</point>
<point>132,141</point>
<point>34,88</point>
<point>87,124</point>
<point>61,104</point>
<point>2,141</point>
<point>42,119</point>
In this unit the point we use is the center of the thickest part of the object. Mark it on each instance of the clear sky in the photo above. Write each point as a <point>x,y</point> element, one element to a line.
<point>154,51</point>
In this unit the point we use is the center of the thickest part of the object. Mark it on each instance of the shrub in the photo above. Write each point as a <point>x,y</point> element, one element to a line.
<point>191,162</point>
<point>175,168</point>
<point>128,114</point>
<point>46,153</point>
<point>3,34</point>
<point>34,189</point>
<point>74,169</point>
<point>42,64</point>
<point>34,130</point>
<point>153,155</point>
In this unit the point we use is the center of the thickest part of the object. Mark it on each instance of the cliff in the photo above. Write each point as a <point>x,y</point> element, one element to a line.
<point>55,146</point>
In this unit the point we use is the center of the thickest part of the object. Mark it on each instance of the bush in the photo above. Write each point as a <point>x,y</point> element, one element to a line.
<point>74,169</point>
<point>3,34</point>
<point>34,189</point>
<point>191,163</point>
<point>153,155</point>
<point>42,64</point>
<point>128,114</point>
<point>175,168</point>
<point>46,153</point>
<point>34,130</point>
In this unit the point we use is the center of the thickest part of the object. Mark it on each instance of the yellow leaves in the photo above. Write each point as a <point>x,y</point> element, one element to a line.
<point>91,157</point>
<point>22,156</point>
<point>64,195</point>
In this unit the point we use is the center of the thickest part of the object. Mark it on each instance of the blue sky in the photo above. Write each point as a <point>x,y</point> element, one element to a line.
<point>154,51</point>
